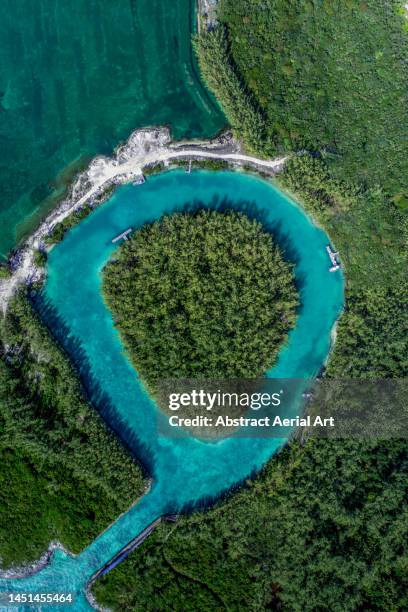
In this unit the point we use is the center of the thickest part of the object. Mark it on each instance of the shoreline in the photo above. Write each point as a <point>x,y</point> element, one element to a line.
<point>101,174</point>
<point>32,567</point>
<point>334,332</point>
<point>145,148</point>
<point>24,571</point>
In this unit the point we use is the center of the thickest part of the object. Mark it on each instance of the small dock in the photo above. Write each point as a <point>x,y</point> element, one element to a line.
<point>123,236</point>
<point>333,258</point>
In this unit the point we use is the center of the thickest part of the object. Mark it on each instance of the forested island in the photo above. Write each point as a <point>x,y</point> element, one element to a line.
<point>324,526</point>
<point>201,295</point>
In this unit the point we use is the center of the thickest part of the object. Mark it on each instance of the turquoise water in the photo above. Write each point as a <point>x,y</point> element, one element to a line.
<point>185,470</point>
<point>75,79</point>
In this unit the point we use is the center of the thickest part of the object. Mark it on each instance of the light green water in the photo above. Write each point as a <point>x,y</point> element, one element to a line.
<point>185,470</point>
<point>75,79</point>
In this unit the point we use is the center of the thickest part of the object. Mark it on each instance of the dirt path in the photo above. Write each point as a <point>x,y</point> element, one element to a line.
<point>145,147</point>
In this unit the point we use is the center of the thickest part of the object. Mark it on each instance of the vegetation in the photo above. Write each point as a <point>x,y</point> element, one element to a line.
<point>153,169</point>
<point>239,106</point>
<point>373,334</point>
<point>204,295</point>
<point>40,258</point>
<point>326,75</point>
<point>63,475</point>
<point>325,525</point>
<point>58,232</point>
<point>207,164</point>
<point>371,235</point>
<point>310,180</point>
<point>4,272</point>
<point>401,201</point>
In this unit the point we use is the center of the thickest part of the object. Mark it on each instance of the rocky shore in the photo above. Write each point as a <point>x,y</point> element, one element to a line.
<point>206,14</point>
<point>144,148</point>
<point>35,566</point>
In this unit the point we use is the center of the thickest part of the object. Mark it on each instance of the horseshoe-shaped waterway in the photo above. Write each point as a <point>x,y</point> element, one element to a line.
<point>184,470</point>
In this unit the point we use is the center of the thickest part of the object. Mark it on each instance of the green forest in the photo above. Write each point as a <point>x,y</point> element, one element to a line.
<point>63,475</point>
<point>320,75</point>
<point>201,295</point>
<point>324,526</point>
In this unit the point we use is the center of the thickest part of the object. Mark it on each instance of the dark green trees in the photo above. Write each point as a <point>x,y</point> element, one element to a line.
<point>205,295</point>
<point>239,107</point>
<point>63,474</point>
<point>321,75</point>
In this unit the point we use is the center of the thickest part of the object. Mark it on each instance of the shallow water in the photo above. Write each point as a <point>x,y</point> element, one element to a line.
<point>185,471</point>
<point>75,79</point>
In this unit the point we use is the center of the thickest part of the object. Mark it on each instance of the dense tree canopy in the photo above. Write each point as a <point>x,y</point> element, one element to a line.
<point>63,474</point>
<point>203,295</point>
<point>324,527</point>
<point>323,74</point>
<point>239,106</point>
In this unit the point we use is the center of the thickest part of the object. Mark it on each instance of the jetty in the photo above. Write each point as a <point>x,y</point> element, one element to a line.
<point>333,255</point>
<point>126,550</point>
<point>124,235</point>
<point>132,545</point>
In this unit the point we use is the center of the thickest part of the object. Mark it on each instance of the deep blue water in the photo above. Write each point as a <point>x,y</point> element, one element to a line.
<point>185,470</point>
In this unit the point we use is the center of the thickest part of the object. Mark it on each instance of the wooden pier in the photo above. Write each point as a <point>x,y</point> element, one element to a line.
<point>123,236</point>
